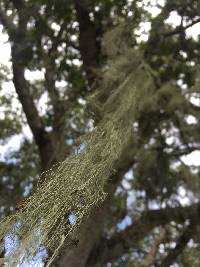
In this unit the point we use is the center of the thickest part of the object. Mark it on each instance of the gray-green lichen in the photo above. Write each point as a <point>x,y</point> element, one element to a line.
<point>76,185</point>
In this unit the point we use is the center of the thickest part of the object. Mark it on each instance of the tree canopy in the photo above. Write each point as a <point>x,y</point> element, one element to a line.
<point>120,119</point>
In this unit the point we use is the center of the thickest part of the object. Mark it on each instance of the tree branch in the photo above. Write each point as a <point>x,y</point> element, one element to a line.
<point>180,245</point>
<point>22,89</point>
<point>50,80</point>
<point>43,140</point>
<point>121,242</point>
<point>180,29</point>
<point>87,40</point>
<point>150,257</point>
<point>58,107</point>
<point>92,228</point>
<point>17,35</point>
<point>21,85</point>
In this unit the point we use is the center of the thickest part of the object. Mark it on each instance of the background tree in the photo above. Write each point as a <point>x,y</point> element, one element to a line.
<point>63,40</point>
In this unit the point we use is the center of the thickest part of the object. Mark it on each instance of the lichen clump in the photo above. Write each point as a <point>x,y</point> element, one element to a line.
<point>77,184</point>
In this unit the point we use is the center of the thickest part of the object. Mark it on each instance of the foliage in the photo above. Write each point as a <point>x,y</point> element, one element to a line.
<point>49,44</point>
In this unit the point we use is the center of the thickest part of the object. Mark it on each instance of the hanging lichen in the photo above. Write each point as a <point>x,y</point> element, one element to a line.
<point>77,184</point>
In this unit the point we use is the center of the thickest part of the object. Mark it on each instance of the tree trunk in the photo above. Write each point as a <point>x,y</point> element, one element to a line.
<point>88,237</point>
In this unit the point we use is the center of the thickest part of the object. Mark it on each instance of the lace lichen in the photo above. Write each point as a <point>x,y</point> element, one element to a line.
<point>76,186</point>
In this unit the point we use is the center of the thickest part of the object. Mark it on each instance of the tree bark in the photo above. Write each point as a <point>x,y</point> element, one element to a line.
<point>43,140</point>
<point>88,44</point>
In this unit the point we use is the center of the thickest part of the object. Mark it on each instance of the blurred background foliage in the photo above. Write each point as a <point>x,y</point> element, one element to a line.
<point>56,49</point>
